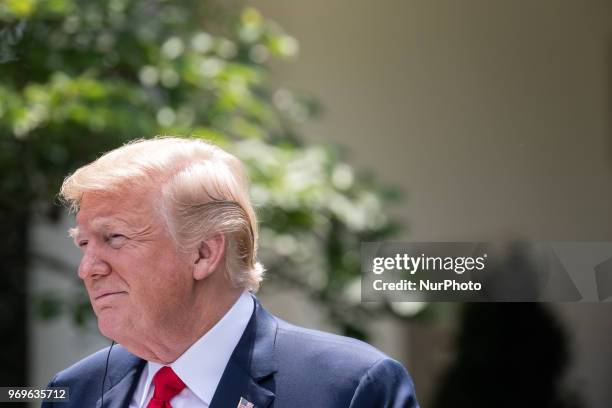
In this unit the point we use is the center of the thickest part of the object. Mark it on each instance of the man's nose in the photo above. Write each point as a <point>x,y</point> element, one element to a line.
<point>93,265</point>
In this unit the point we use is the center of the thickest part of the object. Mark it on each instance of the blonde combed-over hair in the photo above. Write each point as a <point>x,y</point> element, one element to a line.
<point>203,191</point>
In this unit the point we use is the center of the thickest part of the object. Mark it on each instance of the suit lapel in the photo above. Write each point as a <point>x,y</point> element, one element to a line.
<point>248,373</point>
<point>239,384</point>
<point>124,373</point>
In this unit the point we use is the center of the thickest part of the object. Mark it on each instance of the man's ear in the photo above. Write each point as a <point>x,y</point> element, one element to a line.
<point>209,255</point>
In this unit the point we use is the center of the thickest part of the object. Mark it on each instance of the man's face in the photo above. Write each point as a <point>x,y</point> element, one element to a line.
<point>138,284</point>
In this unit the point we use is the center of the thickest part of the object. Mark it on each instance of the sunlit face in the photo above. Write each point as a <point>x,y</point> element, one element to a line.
<point>138,284</point>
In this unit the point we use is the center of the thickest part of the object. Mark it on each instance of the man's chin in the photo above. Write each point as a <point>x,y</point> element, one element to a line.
<point>109,326</point>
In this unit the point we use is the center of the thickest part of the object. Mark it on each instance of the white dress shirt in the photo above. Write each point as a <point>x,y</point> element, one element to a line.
<point>201,366</point>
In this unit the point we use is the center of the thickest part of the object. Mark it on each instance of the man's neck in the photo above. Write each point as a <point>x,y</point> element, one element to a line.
<point>197,322</point>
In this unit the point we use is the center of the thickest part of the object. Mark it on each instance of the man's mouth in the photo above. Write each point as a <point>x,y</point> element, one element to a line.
<point>107,294</point>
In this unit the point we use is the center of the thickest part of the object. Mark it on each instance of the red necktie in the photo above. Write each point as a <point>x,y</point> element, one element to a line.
<point>167,386</point>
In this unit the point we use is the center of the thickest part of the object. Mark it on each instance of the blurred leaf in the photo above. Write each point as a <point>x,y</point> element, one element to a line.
<point>47,306</point>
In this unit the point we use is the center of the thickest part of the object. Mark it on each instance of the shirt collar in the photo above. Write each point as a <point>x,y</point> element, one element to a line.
<point>202,365</point>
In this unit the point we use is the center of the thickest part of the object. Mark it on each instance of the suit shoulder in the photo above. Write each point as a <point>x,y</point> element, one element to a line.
<point>85,378</point>
<point>314,368</point>
<point>91,368</point>
<point>327,346</point>
<point>91,365</point>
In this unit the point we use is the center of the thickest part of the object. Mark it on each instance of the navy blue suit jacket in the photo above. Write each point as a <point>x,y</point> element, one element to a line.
<point>275,364</point>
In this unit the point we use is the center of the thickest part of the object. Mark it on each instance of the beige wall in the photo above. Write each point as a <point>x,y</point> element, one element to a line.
<point>494,116</point>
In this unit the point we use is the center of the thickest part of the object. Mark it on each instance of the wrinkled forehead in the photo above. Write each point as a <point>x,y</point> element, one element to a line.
<point>101,224</point>
<point>101,210</point>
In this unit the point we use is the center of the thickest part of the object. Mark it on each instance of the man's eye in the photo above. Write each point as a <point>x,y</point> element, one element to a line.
<point>115,239</point>
<point>82,244</point>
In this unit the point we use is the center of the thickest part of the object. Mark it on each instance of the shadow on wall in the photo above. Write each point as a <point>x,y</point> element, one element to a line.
<point>508,355</point>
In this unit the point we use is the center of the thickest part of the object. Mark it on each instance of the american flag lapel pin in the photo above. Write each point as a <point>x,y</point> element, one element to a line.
<point>245,404</point>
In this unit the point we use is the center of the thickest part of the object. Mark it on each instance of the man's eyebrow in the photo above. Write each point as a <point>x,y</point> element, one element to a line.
<point>73,232</point>
<point>105,224</point>
<point>100,224</point>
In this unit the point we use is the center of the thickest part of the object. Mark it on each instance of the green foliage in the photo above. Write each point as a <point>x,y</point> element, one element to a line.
<point>86,76</point>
